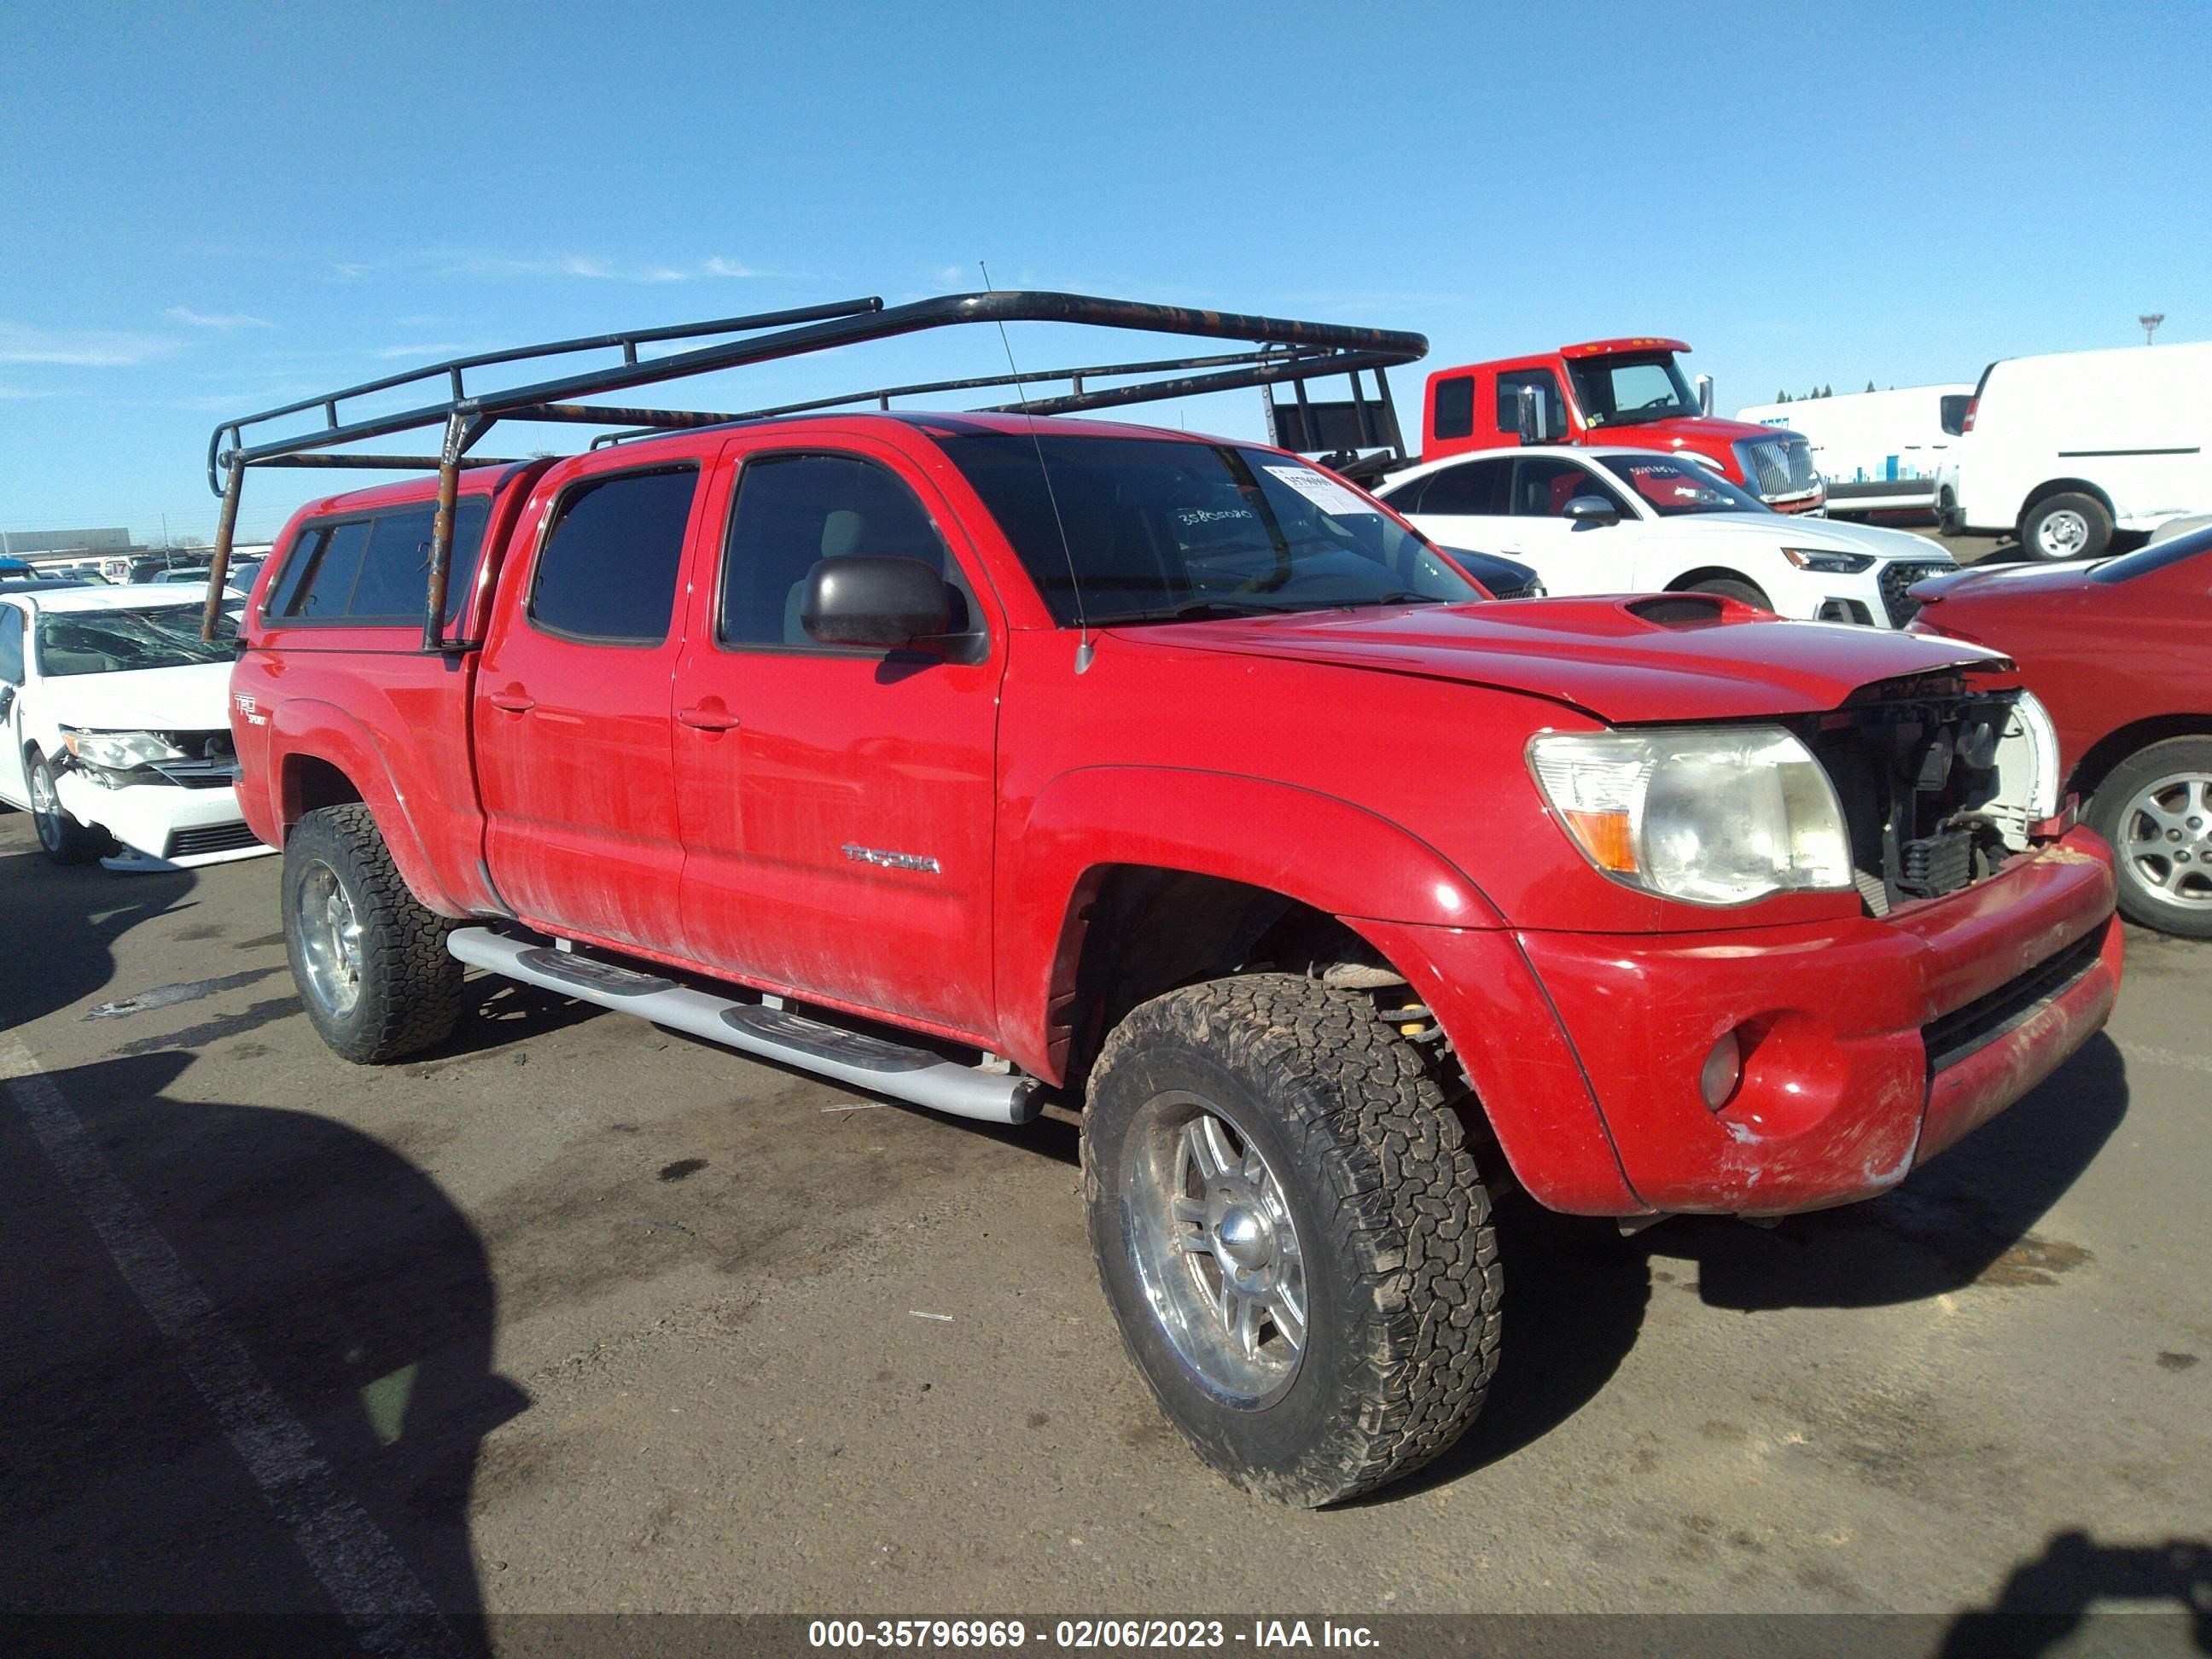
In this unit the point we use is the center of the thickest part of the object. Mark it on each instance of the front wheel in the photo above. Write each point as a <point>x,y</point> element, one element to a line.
<point>369,959</point>
<point>2068,527</point>
<point>66,839</point>
<point>2155,808</point>
<point>1291,1234</point>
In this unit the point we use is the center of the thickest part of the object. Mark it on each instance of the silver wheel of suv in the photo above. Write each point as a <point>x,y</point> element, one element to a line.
<point>330,939</point>
<point>2165,842</point>
<point>1215,1248</point>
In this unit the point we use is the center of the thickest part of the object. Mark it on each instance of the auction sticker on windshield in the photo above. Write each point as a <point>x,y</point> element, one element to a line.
<point>1326,494</point>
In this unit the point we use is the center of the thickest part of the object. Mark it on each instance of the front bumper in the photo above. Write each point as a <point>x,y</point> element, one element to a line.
<point>1869,1046</point>
<point>166,821</point>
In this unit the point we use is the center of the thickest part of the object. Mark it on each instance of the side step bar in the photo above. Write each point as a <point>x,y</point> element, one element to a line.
<point>753,1028</point>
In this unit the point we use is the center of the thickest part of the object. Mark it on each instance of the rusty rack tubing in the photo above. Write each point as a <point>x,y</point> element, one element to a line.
<point>1287,350</point>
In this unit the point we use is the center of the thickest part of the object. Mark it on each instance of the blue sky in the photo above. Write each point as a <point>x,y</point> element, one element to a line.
<point>211,209</point>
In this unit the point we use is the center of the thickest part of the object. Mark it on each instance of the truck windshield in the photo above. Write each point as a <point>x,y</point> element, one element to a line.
<point>1631,389</point>
<point>1157,530</point>
<point>1670,487</point>
<point>121,641</point>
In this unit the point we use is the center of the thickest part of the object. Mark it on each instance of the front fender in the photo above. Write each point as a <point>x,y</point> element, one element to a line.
<point>309,728</point>
<point>1321,851</point>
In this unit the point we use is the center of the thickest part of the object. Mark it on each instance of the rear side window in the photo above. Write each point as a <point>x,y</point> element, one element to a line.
<point>1472,487</point>
<point>609,570</point>
<point>794,511</point>
<point>319,577</point>
<point>1454,415</point>
<point>377,569</point>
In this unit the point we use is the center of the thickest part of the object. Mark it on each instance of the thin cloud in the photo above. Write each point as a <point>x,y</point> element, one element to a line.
<point>216,319</point>
<point>11,393</point>
<point>587,267</point>
<point>435,349</point>
<point>87,347</point>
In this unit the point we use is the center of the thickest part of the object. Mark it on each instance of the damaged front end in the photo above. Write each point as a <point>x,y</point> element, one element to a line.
<point>1941,782</point>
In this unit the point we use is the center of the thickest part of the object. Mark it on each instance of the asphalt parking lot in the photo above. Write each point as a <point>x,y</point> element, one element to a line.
<point>578,1315</point>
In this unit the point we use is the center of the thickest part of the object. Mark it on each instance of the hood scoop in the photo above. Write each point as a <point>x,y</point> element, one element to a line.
<point>1680,609</point>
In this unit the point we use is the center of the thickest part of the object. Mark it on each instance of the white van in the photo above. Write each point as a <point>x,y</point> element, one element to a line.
<point>1879,451</point>
<point>2067,448</point>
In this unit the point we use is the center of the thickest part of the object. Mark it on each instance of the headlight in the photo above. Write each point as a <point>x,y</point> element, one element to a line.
<point>1707,815</point>
<point>121,751</point>
<point>1827,561</point>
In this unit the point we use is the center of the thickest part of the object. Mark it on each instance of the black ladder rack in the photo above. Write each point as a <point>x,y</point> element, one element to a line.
<point>1283,350</point>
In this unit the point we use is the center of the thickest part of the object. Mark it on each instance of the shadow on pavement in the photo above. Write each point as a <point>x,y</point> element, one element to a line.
<point>499,1011</point>
<point>2045,1602</point>
<point>360,1293</point>
<point>62,921</point>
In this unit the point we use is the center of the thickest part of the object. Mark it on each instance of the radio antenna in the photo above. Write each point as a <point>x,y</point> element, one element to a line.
<point>1082,647</point>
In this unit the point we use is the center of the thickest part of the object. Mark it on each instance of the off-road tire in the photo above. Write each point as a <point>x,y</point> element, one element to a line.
<point>2096,519</point>
<point>1401,1273</point>
<point>410,986</point>
<point>2140,900</point>
<point>1727,588</point>
<point>66,838</point>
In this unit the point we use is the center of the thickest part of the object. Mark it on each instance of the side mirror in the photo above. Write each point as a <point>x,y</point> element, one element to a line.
<point>864,599</point>
<point>1591,513</point>
<point>1705,394</point>
<point>1530,410</point>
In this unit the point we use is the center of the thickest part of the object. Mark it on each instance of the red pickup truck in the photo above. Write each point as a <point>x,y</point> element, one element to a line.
<point>989,759</point>
<point>1612,392</point>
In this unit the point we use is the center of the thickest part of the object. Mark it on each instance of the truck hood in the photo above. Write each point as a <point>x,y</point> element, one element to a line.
<point>1597,654</point>
<point>195,697</point>
<point>1778,529</point>
<point>1681,432</point>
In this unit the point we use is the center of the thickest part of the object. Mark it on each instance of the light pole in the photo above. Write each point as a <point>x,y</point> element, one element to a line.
<point>2150,321</point>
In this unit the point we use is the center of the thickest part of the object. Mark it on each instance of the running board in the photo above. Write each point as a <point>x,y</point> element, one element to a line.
<point>873,1063</point>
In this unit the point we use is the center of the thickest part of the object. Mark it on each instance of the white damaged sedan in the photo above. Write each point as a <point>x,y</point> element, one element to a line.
<point>116,717</point>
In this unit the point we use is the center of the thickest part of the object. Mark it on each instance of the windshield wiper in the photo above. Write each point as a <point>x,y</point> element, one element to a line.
<point>1195,611</point>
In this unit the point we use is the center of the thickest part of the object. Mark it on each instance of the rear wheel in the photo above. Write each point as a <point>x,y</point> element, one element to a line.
<point>370,961</point>
<point>1732,587</point>
<point>67,839</point>
<point>2155,808</point>
<point>1291,1234</point>
<point>2068,527</point>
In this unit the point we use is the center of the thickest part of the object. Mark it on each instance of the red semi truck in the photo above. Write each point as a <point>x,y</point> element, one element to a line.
<point>995,759</point>
<point>1612,392</point>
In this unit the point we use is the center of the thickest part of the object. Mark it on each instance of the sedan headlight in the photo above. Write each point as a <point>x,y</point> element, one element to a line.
<point>121,751</point>
<point>1827,561</point>
<point>1707,815</point>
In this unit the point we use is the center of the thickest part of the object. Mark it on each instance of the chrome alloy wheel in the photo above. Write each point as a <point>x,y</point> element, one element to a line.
<point>45,807</point>
<point>2061,535</point>
<point>328,940</point>
<point>1214,1247</point>
<point>2166,839</point>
